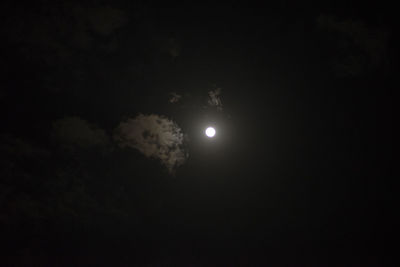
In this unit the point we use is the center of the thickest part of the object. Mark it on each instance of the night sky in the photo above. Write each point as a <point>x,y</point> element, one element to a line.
<point>104,159</point>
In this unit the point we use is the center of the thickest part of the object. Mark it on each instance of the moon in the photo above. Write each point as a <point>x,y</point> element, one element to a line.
<point>210,132</point>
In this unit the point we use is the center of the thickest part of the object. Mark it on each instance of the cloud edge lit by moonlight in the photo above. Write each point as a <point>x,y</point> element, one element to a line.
<point>155,136</point>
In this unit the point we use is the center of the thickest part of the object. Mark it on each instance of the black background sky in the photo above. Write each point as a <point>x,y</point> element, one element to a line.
<point>300,171</point>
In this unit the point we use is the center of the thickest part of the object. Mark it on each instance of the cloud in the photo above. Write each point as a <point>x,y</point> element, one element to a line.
<point>174,48</point>
<point>74,133</point>
<point>214,98</point>
<point>105,20</point>
<point>154,136</point>
<point>174,97</point>
<point>12,146</point>
<point>58,33</point>
<point>361,46</point>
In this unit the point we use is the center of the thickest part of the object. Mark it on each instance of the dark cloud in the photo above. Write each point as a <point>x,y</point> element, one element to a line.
<point>22,165</point>
<point>73,133</point>
<point>17,156</point>
<point>11,146</point>
<point>173,48</point>
<point>105,20</point>
<point>54,34</point>
<point>360,47</point>
<point>38,184</point>
<point>154,136</point>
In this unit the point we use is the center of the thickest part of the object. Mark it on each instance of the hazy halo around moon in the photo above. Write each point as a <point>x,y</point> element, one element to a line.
<point>210,132</point>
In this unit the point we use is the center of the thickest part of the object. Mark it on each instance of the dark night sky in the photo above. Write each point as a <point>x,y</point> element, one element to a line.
<point>299,174</point>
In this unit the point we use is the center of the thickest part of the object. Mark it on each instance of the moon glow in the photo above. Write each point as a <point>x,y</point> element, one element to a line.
<point>210,132</point>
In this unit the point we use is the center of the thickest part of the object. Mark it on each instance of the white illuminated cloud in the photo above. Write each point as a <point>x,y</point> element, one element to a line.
<point>154,136</point>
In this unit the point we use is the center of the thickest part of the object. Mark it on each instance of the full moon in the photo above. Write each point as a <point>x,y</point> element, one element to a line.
<point>210,132</point>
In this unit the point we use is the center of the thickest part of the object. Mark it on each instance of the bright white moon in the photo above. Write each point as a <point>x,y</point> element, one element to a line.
<point>210,132</point>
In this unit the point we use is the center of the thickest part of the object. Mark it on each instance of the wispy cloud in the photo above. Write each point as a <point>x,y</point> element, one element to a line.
<point>214,98</point>
<point>174,97</point>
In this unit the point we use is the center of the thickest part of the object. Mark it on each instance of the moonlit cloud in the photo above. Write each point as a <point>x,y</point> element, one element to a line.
<point>214,98</point>
<point>174,97</point>
<point>155,137</point>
